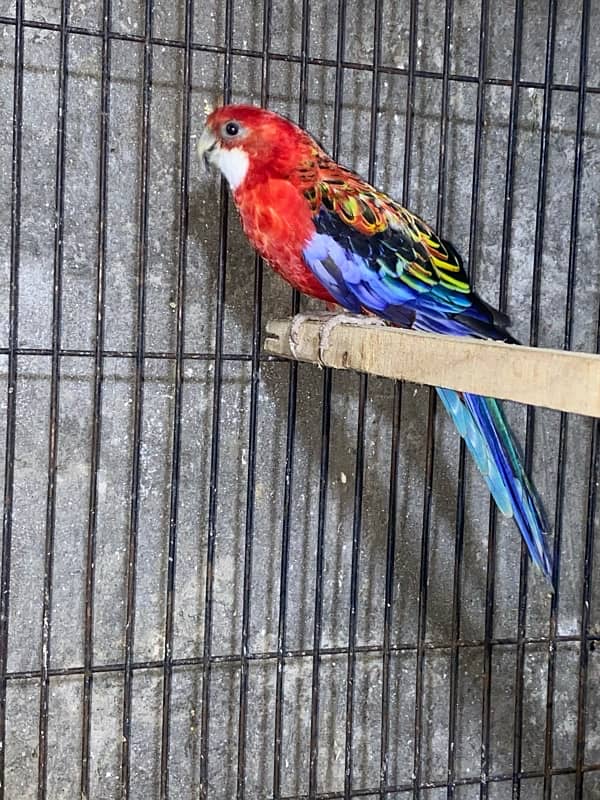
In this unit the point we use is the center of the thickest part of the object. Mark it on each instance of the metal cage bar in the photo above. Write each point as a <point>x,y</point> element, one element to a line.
<point>11,403</point>
<point>282,656</point>
<point>59,203</point>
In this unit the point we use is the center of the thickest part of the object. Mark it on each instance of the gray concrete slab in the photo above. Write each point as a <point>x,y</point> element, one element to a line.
<point>428,664</point>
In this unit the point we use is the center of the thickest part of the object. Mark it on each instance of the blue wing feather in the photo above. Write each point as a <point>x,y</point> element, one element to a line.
<point>388,273</point>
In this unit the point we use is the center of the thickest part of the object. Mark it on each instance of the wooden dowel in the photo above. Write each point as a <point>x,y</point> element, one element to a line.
<point>557,379</point>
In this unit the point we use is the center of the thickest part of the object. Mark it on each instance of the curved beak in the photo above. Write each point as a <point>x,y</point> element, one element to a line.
<point>206,146</point>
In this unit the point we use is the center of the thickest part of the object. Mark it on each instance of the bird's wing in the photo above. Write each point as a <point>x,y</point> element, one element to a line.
<point>372,254</point>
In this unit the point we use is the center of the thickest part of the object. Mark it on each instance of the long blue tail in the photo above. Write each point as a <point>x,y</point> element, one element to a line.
<point>482,425</point>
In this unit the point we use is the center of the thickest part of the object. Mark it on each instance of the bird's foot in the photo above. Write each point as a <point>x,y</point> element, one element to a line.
<point>327,323</point>
<point>298,322</point>
<point>344,319</point>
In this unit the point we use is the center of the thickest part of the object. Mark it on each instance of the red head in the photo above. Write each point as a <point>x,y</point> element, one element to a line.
<point>250,144</point>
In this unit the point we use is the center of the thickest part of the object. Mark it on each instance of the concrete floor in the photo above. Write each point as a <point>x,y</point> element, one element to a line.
<point>426,676</point>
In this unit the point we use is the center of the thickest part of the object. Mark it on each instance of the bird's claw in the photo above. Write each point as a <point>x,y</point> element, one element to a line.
<point>343,319</point>
<point>298,322</point>
<point>328,322</point>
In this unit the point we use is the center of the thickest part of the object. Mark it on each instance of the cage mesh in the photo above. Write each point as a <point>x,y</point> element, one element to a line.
<point>226,575</point>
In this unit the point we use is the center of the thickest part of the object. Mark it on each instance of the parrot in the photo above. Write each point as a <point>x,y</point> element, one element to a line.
<point>335,237</point>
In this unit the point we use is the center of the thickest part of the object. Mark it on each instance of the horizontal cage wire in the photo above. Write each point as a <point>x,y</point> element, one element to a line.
<point>224,574</point>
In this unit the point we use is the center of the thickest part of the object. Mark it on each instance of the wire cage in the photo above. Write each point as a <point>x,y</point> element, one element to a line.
<point>227,575</point>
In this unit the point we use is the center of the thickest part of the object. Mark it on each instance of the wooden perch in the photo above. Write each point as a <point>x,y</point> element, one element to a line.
<point>557,379</point>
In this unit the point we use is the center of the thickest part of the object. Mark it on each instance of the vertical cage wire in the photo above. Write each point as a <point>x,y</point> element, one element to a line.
<point>54,405</point>
<point>178,401</point>
<point>140,365</point>
<point>564,418</point>
<point>460,501</point>
<point>214,457</point>
<point>98,354</point>
<point>317,751</point>
<point>593,466</point>
<point>9,453</point>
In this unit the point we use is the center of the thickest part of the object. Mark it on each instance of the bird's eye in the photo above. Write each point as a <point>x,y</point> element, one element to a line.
<point>232,129</point>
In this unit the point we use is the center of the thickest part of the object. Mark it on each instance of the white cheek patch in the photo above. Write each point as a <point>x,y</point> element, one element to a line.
<point>233,163</point>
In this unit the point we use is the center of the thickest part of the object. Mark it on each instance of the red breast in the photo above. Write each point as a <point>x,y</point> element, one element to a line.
<point>277,220</point>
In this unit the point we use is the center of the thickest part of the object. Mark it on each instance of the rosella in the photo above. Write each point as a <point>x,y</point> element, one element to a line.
<point>333,236</point>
